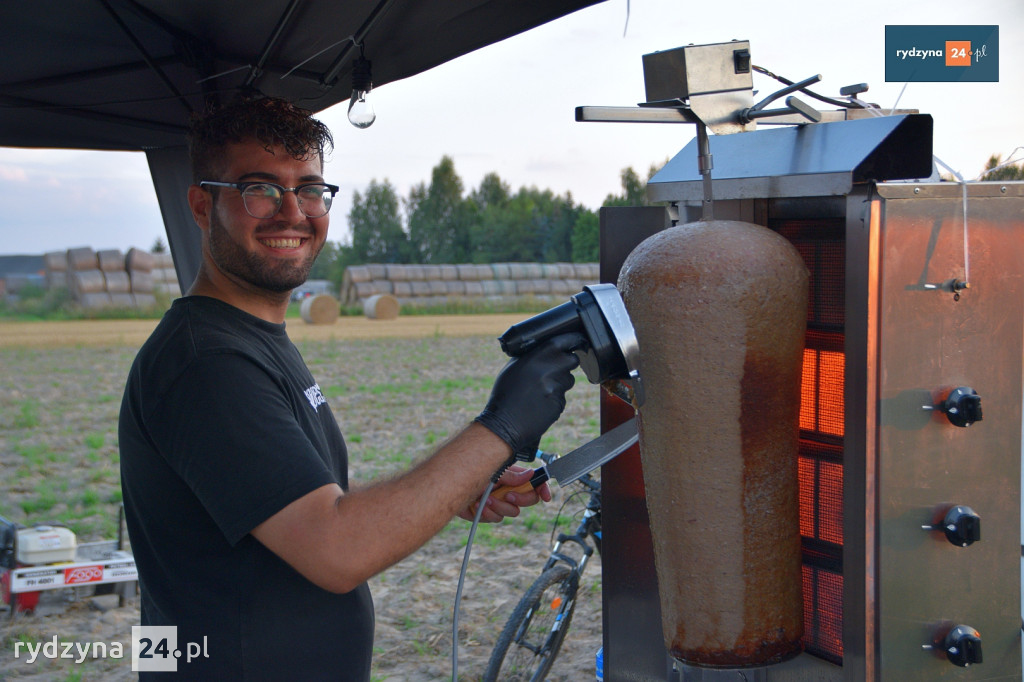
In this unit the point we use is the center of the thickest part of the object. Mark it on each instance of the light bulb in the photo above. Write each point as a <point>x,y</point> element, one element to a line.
<point>360,111</point>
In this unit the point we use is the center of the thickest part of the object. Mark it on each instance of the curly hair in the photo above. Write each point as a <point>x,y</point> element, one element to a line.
<point>270,121</point>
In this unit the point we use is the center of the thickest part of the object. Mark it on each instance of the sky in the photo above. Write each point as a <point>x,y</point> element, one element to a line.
<point>509,109</point>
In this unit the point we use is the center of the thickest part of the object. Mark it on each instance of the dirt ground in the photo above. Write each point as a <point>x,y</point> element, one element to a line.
<point>398,389</point>
<point>135,332</point>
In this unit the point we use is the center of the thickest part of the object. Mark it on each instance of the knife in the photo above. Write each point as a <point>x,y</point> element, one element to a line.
<point>580,461</point>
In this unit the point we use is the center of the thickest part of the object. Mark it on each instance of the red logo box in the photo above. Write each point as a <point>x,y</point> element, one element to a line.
<point>82,574</point>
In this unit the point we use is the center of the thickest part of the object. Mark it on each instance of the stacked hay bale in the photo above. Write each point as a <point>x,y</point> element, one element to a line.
<point>425,285</point>
<point>86,282</point>
<point>165,277</point>
<point>56,265</point>
<point>139,266</point>
<point>103,279</point>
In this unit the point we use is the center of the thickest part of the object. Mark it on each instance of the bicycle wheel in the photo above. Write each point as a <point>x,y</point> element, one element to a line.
<point>534,632</point>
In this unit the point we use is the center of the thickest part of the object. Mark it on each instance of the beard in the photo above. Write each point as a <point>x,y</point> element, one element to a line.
<point>275,275</point>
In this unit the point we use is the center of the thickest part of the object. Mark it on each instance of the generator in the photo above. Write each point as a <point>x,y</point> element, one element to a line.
<point>49,556</point>
<point>912,381</point>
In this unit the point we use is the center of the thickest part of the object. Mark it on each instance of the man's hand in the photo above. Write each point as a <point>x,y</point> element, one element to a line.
<point>495,510</point>
<point>529,393</point>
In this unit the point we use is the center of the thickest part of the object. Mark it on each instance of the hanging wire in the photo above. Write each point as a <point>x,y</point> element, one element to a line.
<point>963,186</point>
<point>1009,162</point>
<point>462,580</point>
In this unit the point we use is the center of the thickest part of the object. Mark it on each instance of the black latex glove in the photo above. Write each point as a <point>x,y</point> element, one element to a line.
<point>529,393</point>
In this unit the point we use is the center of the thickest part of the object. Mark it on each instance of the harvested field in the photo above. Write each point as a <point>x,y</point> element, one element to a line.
<point>398,388</point>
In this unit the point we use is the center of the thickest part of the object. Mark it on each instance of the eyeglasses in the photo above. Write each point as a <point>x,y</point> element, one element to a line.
<point>263,199</point>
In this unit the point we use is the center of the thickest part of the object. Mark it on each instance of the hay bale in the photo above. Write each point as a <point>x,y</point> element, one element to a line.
<point>484,272</point>
<point>542,286</point>
<point>403,289</point>
<point>398,273</point>
<point>86,282</point>
<point>117,282</point>
<point>449,272</point>
<point>455,288</point>
<point>164,275</point>
<point>420,288</point>
<point>431,272</point>
<point>381,307</point>
<point>110,260</point>
<point>56,261</point>
<point>467,273</point>
<point>137,259</point>
<point>383,286</point>
<point>94,300</point>
<point>533,270</point>
<point>475,288</point>
<point>144,300</point>
<point>170,288</point>
<point>415,273</point>
<point>438,287</point>
<point>142,281</point>
<point>524,287</point>
<point>490,287</point>
<point>365,289</point>
<point>320,309</point>
<point>122,300</point>
<point>502,270</point>
<point>358,273</point>
<point>82,258</point>
<point>565,271</point>
<point>163,259</point>
<point>377,271</point>
<point>561,287</point>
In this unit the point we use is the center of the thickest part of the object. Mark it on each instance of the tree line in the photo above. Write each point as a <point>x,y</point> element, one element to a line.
<point>441,222</point>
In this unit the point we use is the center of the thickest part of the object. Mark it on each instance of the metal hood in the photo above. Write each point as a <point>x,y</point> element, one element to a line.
<point>821,159</point>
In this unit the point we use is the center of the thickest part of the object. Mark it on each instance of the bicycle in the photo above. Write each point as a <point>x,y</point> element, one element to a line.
<point>533,635</point>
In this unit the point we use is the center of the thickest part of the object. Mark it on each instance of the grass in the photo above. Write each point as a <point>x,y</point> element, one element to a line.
<point>28,414</point>
<point>396,400</point>
<point>35,304</point>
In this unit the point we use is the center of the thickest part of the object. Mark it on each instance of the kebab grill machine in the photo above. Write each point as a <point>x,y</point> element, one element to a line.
<point>831,340</point>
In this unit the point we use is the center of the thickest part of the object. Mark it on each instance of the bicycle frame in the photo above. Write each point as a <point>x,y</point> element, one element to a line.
<point>589,529</point>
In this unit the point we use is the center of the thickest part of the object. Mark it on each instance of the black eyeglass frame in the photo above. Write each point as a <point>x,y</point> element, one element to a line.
<point>242,186</point>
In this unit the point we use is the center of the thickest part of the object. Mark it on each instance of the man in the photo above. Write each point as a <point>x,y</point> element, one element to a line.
<point>245,532</point>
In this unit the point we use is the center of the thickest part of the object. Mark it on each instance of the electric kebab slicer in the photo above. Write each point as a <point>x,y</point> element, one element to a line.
<point>610,355</point>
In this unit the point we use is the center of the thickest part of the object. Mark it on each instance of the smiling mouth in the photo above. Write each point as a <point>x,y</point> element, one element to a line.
<point>289,243</point>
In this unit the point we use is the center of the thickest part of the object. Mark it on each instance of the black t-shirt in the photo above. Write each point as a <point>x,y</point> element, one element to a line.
<point>222,426</point>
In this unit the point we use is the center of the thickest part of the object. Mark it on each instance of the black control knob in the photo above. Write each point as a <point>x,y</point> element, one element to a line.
<point>963,406</point>
<point>963,646</point>
<point>962,526</point>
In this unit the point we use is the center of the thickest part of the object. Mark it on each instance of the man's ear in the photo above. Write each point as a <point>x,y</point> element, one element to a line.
<point>201,203</point>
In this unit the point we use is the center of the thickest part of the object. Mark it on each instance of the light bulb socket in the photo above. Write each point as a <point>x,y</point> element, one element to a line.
<point>362,78</point>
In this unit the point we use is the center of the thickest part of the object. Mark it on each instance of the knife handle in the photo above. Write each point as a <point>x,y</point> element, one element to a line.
<point>504,490</point>
<point>539,477</point>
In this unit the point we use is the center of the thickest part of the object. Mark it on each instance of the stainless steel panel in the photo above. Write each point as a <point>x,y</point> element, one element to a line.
<point>812,160</point>
<point>927,344</point>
